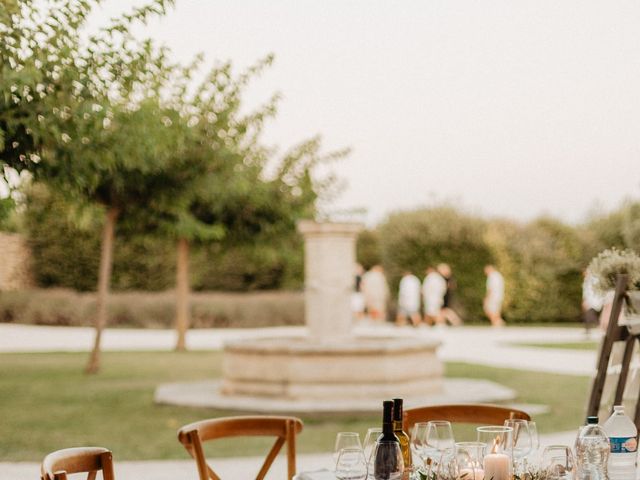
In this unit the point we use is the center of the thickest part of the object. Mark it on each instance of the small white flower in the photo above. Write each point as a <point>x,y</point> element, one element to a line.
<point>66,138</point>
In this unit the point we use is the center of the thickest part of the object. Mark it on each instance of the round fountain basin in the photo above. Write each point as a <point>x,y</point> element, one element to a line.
<point>299,368</point>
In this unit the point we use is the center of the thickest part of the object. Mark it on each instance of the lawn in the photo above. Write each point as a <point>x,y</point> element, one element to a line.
<point>584,345</point>
<point>46,403</point>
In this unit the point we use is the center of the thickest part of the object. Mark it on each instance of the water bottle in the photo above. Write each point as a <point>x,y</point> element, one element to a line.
<point>622,434</point>
<point>592,452</point>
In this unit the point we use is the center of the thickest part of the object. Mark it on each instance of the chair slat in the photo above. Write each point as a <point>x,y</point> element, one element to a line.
<point>485,414</point>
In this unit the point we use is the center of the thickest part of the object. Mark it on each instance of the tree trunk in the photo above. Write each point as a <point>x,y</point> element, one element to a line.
<point>104,279</point>
<point>182,294</point>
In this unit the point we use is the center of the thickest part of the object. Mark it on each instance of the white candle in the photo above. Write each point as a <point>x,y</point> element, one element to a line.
<point>496,466</point>
<point>471,474</point>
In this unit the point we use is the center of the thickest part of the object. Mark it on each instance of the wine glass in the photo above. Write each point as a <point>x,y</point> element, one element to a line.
<point>351,464</point>
<point>387,461</point>
<point>558,462</point>
<point>522,442</point>
<point>369,446</point>
<point>418,444</point>
<point>438,441</point>
<point>346,440</point>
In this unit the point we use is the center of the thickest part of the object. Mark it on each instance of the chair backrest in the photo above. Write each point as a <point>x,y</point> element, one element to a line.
<point>285,429</point>
<point>57,465</point>
<point>485,414</point>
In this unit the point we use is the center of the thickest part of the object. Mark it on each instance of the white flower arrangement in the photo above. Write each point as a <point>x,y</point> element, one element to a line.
<point>606,266</point>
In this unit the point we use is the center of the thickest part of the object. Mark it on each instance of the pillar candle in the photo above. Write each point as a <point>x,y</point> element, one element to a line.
<point>496,466</point>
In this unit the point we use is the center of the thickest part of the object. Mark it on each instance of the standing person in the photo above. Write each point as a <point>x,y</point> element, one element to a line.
<point>592,303</point>
<point>357,299</point>
<point>495,295</point>
<point>376,293</point>
<point>408,300</point>
<point>448,313</point>
<point>433,289</point>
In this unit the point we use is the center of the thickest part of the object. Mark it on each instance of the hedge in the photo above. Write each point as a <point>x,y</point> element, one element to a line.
<point>62,307</point>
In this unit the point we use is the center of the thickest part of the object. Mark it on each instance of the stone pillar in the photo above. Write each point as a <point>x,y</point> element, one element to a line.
<point>329,261</point>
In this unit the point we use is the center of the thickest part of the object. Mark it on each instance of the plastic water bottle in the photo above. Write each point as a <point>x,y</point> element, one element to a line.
<point>592,452</point>
<point>622,434</point>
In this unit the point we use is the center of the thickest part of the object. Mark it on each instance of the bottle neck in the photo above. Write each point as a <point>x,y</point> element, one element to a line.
<point>397,425</point>
<point>387,432</point>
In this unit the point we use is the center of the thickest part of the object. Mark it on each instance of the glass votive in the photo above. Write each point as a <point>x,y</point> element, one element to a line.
<point>497,462</point>
<point>469,458</point>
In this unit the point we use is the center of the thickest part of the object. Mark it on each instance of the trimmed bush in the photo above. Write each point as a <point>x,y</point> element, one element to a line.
<point>415,240</point>
<point>62,307</point>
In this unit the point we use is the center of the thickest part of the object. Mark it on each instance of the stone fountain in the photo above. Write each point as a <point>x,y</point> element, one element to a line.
<point>330,363</point>
<point>329,368</point>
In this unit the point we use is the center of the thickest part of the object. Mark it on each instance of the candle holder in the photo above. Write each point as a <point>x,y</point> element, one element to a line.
<point>498,456</point>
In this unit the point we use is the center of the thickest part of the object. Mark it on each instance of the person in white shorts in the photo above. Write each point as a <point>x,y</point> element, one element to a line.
<point>495,296</point>
<point>433,289</point>
<point>409,300</point>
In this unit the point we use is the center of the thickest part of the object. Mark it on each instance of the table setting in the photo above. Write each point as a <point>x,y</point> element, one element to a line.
<point>511,451</point>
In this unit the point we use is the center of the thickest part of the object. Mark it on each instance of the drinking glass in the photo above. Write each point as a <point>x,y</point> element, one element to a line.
<point>388,463</point>
<point>558,463</point>
<point>351,464</point>
<point>418,445</point>
<point>346,440</point>
<point>522,443</point>
<point>533,459</point>
<point>369,446</point>
<point>439,442</point>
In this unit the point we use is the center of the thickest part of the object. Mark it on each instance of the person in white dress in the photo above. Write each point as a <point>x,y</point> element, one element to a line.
<point>376,293</point>
<point>408,300</point>
<point>495,296</point>
<point>433,289</point>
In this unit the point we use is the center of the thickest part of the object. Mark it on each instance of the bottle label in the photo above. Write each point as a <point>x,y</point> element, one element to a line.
<point>623,444</point>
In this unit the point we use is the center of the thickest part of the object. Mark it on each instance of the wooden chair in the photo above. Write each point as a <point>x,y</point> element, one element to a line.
<point>59,464</point>
<point>485,414</point>
<point>192,436</point>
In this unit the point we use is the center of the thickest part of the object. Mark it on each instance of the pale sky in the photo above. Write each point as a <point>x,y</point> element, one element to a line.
<point>509,107</point>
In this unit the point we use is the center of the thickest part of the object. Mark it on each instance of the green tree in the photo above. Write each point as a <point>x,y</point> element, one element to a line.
<point>91,122</point>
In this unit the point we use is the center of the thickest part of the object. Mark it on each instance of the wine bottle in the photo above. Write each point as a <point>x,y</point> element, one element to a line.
<point>388,463</point>
<point>403,438</point>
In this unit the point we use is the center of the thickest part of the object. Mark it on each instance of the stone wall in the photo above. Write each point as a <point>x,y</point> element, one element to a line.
<point>15,262</point>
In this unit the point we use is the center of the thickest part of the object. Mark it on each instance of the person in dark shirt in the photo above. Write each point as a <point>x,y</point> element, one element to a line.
<point>448,313</point>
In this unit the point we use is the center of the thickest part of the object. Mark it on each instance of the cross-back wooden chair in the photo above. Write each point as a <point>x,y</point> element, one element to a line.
<point>285,429</point>
<point>57,465</point>
<point>485,414</point>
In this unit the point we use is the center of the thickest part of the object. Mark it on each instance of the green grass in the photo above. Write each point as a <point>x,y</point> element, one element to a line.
<point>585,345</point>
<point>47,403</point>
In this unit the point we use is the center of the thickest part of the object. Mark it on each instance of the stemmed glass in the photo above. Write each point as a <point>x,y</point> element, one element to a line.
<point>439,442</point>
<point>346,440</point>
<point>418,445</point>
<point>351,464</point>
<point>558,463</point>
<point>369,446</point>
<point>522,442</point>
<point>533,457</point>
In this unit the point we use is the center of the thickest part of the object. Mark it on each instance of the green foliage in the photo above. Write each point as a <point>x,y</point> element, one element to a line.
<point>542,263</point>
<point>418,239</point>
<point>368,249</point>
<point>65,246</point>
